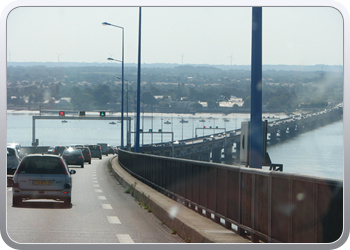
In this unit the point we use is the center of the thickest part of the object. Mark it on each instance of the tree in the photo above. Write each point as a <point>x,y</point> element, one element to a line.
<point>247,102</point>
<point>148,98</point>
<point>212,104</point>
<point>102,95</point>
<point>196,105</point>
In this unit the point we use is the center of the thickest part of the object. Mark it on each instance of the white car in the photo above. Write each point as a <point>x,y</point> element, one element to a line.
<point>42,177</point>
<point>18,148</point>
<point>13,160</point>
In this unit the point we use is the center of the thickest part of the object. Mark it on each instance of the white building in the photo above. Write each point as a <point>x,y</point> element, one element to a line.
<point>230,103</point>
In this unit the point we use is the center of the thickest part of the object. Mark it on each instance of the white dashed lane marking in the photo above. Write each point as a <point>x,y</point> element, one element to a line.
<point>124,238</point>
<point>106,206</point>
<point>113,220</point>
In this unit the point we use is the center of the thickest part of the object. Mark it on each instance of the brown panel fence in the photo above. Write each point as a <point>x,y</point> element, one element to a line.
<point>269,205</point>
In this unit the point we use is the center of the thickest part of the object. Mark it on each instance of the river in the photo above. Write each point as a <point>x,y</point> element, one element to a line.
<point>318,152</point>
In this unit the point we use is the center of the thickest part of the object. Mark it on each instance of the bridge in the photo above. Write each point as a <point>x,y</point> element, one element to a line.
<point>229,142</point>
<point>269,206</point>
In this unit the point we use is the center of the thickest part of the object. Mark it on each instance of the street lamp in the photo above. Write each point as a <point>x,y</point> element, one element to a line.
<point>127,108</point>
<point>122,61</point>
<point>112,59</point>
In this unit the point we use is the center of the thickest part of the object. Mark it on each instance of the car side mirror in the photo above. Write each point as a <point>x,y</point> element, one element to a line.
<point>72,171</point>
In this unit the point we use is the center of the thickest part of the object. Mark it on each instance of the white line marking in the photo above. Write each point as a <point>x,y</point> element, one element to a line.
<point>94,181</point>
<point>106,206</point>
<point>98,190</point>
<point>124,238</point>
<point>101,197</point>
<point>113,220</point>
<point>96,185</point>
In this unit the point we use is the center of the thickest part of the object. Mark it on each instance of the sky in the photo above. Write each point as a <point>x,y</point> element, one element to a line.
<point>183,35</point>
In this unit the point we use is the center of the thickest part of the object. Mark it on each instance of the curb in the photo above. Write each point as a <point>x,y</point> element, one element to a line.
<point>188,224</point>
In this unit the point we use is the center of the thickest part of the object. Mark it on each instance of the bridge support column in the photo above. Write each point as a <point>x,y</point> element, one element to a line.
<point>228,152</point>
<point>205,156</point>
<point>195,156</point>
<point>292,131</point>
<point>238,149</point>
<point>273,137</point>
<point>283,134</point>
<point>216,155</point>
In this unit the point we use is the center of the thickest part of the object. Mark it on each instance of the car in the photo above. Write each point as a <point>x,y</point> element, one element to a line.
<point>95,151</point>
<point>179,143</point>
<point>42,177</point>
<point>104,148</point>
<point>115,149</point>
<point>50,150</point>
<point>18,148</point>
<point>110,150</point>
<point>73,156</point>
<point>58,150</point>
<point>13,160</point>
<point>86,153</point>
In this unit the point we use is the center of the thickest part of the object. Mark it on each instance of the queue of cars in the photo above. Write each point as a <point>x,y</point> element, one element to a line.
<point>47,176</point>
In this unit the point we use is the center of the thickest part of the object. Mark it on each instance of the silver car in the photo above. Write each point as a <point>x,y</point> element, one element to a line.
<point>13,160</point>
<point>42,177</point>
<point>18,148</point>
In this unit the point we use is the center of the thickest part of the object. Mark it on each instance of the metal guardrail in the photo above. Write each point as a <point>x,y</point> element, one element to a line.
<point>270,206</point>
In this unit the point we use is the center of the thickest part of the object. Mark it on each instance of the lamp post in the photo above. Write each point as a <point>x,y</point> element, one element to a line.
<point>128,145</point>
<point>122,61</point>
<point>138,108</point>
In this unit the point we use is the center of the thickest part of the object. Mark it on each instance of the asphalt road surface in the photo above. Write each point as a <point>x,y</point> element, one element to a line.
<point>100,213</point>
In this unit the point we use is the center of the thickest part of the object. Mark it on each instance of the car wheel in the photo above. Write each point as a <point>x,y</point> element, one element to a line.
<point>67,202</point>
<point>106,154</point>
<point>89,162</point>
<point>100,157</point>
<point>16,201</point>
<point>82,165</point>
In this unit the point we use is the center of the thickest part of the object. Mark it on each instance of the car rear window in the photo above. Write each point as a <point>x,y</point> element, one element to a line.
<point>41,165</point>
<point>10,152</point>
<point>72,152</point>
<point>84,150</point>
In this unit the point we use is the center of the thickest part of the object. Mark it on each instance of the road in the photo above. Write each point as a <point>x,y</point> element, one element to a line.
<point>100,213</point>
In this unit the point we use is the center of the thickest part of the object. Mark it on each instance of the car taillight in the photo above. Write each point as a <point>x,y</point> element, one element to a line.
<point>53,151</point>
<point>64,168</point>
<point>80,157</point>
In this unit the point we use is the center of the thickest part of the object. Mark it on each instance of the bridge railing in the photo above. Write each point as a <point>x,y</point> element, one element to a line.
<point>269,206</point>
